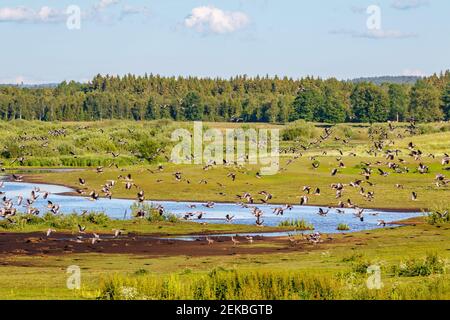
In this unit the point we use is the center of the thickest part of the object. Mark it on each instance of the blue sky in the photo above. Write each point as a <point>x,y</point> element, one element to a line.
<point>326,38</point>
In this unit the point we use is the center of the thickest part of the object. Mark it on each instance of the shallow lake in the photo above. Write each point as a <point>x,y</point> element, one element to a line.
<point>120,209</point>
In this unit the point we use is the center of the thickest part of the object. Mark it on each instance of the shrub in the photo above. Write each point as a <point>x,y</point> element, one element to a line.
<point>96,218</point>
<point>152,214</point>
<point>432,264</point>
<point>438,217</point>
<point>361,266</point>
<point>299,129</point>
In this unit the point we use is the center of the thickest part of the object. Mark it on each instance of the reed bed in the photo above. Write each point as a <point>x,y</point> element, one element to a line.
<point>296,223</point>
<point>267,285</point>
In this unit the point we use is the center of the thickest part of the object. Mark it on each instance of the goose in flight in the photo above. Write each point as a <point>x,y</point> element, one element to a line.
<point>177,176</point>
<point>54,208</point>
<point>259,222</point>
<point>442,215</point>
<point>303,200</point>
<point>307,189</point>
<point>359,214</point>
<point>93,195</point>
<point>140,196</point>
<point>266,194</point>
<point>95,239</point>
<point>445,161</point>
<point>229,218</point>
<point>279,211</point>
<point>381,223</point>
<point>235,241</point>
<point>117,233</point>
<point>209,204</point>
<point>322,212</point>
<point>81,229</point>
<point>17,178</point>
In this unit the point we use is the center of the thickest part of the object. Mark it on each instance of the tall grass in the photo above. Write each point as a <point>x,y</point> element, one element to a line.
<point>50,220</point>
<point>298,224</point>
<point>343,227</point>
<point>221,284</point>
<point>431,264</point>
<point>83,144</point>
<point>299,130</point>
<point>438,216</point>
<point>151,214</point>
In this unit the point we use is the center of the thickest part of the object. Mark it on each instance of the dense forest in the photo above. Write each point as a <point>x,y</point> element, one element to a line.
<point>258,99</point>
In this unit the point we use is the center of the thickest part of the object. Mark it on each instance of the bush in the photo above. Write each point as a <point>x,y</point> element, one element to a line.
<point>438,217</point>
<point>299,130</point>
<point>96,218</point>
<point>432,264</point>
<point>152,214</point>
<point>361,266</point>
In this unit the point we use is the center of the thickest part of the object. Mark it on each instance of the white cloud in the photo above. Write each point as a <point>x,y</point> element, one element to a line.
<point>20,79</point>
<point>104,4</point>
<point>212,19</point>
<point>409,4</point>
<point>45,14</point>
<point>375,34</point>
<point>25,14</point>
<point>413,72</point>
<point>385,34</point>
<point>358,9</point>
<point>133,10</point>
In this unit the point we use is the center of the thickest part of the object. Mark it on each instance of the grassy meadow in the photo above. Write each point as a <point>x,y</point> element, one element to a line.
<point>287,185</point>
<point>413,258</point>
<point>334,271</point>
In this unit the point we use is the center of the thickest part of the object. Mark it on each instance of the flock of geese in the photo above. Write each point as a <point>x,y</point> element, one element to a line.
<point>381,145</point>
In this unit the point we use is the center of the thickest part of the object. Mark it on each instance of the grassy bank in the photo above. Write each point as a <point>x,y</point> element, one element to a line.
<point>336,270</point>
<point>100,223</point>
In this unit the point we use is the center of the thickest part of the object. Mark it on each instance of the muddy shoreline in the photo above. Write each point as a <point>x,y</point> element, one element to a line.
<point>36,243</point>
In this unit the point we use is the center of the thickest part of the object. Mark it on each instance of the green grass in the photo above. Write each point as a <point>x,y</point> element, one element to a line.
<point>286,186</point>
<point>100,223</point>
<point>337,270</point>
<point>40,277</point>
<point>298,224</point>
<point>267,285</point>
<point>343,227</point>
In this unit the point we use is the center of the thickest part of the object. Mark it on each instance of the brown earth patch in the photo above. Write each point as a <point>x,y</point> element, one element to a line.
<point>147,245</point>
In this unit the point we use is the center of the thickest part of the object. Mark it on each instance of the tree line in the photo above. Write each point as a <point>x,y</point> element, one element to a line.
<point>256,99</point>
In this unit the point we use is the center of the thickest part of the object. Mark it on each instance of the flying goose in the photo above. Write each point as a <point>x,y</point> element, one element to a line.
<point>235,241</point>
<point>229,218</point>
